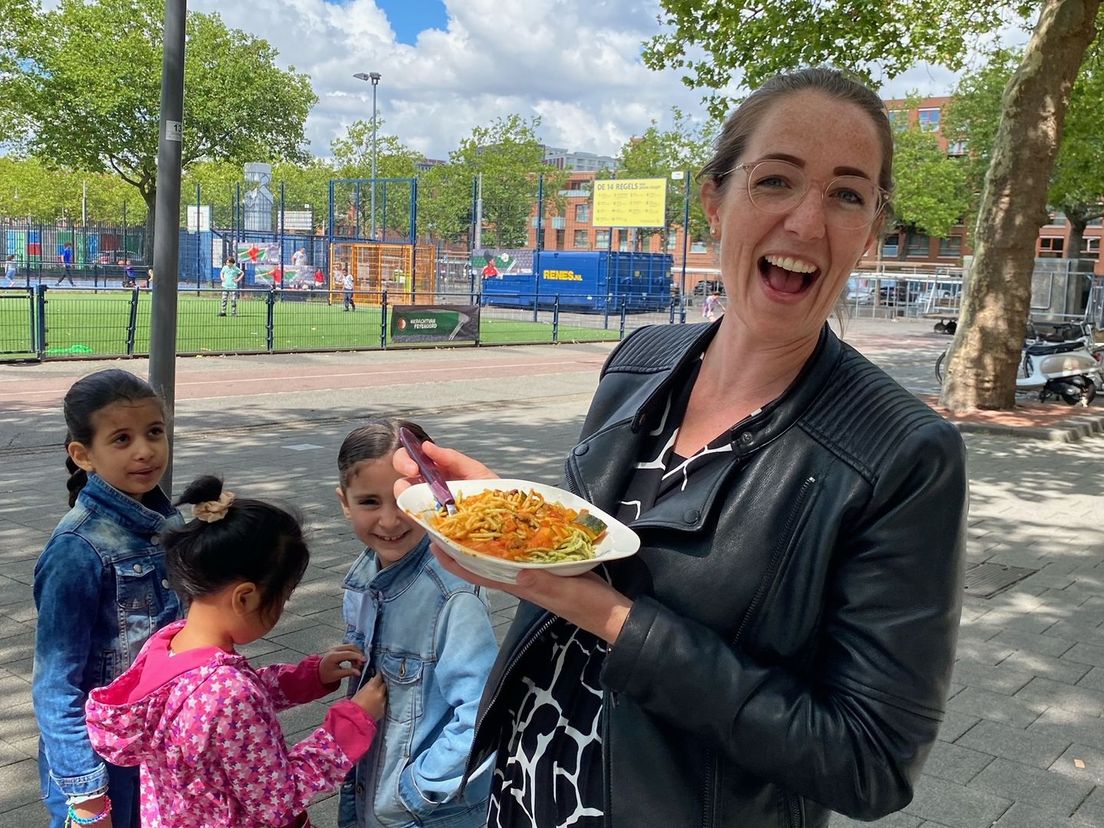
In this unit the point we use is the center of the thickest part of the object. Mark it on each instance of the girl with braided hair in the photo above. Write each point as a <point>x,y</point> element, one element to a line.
<point>101,589</point>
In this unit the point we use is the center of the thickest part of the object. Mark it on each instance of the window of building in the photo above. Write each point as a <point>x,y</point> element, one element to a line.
<point>1095,223</point>
<point>956,148</point>
<point>891,246</point>
<point>950,246</point>
<point>928,119</point>
<point>1059,219</point>
<point>559,239</point>
<point>601,239</point>
<point>672,240</point>
<point>582,238</point>
<point>582,213</point>
<point>1090,245</point>
<point>919,245</point>
<point>698,246</point>
<point>1051,247</point>
<point>898,117</point>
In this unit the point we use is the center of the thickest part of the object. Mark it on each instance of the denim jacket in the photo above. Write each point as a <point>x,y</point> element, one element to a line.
<point>101,590</point>
<point>430,635</point>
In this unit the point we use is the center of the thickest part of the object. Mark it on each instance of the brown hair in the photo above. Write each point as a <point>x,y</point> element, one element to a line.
<point>375,439</point>
<point>737,130</point>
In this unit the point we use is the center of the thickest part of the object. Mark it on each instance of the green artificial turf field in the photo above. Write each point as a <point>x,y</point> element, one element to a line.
<point>83,323</point>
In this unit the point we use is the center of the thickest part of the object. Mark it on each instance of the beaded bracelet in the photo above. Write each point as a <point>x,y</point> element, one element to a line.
<point>73,819</point>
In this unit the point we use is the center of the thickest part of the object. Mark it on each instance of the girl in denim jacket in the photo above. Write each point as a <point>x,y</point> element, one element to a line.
<point>428,633</point>
<point>192,711</point>
<point>100,589</point>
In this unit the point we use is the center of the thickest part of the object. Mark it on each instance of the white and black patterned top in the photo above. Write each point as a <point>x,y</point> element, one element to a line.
<point>549,772</point>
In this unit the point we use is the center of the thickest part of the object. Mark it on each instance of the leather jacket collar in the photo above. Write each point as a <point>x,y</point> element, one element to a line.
<point>594,477</point>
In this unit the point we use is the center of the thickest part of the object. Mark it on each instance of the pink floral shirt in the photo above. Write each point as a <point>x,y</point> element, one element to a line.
<point>203,728</point>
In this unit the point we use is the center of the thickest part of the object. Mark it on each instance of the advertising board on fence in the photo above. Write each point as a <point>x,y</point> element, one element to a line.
<point>630,202</point>
<point>434,323</point>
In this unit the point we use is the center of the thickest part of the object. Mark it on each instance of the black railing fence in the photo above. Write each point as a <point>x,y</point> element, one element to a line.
<point>44,322</point>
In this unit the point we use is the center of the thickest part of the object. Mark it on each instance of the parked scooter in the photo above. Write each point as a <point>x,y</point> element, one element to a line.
<point>1069,370</point>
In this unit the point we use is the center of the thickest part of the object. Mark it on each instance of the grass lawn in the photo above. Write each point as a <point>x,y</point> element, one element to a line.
<point>80,322</point>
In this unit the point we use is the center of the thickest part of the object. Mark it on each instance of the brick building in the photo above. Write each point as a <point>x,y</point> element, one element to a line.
<point>904,247</point>
<point>899,247</point>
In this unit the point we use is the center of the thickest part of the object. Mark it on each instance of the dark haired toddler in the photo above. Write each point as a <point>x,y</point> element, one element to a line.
<point>193,713</point>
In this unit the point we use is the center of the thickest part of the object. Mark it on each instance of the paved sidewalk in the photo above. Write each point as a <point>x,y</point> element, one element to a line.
<point>1023,743</point>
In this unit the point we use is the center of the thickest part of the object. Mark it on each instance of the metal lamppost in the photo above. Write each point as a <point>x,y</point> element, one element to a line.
<point>374,78</point>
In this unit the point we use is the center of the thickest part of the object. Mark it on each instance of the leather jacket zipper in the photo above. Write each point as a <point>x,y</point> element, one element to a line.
<point>776,556</point>
<point>794,810</point>
<point>548,622</point>
<point>607,775</point>
<point>707,789</point>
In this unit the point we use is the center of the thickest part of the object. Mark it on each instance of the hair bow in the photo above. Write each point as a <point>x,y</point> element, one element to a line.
<point>211,510</point>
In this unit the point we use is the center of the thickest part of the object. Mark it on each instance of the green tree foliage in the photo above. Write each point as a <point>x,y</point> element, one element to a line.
<point>510,159</point>
<point>974,112</point>
<point>352,158</point>
<point>1077,180</point>
<point>352,153</point>
<point>722,42</point>
<point>31,189</point>
<point>306,186</point>
<point>88,83</point>
<point>930,188</point>
<point>760,38</point>
<point>445,202</point>
<point>686,147</point>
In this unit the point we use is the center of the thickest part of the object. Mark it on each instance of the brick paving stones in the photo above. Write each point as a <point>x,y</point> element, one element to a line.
<point>1028,698</point>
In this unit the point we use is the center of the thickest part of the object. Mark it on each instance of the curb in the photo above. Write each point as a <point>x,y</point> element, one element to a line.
<point>1070,430</point>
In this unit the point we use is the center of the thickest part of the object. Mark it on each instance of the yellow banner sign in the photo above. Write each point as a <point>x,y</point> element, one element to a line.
<point>630,202</point>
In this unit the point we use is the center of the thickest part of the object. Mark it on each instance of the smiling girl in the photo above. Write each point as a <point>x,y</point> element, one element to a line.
<point>428,633</point>
<point>100,589</point>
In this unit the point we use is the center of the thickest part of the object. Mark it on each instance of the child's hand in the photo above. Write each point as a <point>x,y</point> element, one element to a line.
<point>330,669</point>
<point>372,697</point>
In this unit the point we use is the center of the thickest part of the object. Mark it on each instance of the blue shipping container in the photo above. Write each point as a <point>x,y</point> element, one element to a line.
<point>588,281</point>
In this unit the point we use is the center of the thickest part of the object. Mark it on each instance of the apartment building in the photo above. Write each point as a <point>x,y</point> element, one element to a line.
<point>899,247</point>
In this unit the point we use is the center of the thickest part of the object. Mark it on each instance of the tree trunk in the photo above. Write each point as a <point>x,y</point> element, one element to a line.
<point>150,197</point>
<point>1075,282</point>
<point>981,371</point>
<point>1078,221</point>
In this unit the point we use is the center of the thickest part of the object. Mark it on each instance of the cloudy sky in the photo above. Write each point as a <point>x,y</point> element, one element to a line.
<point>448,65</point>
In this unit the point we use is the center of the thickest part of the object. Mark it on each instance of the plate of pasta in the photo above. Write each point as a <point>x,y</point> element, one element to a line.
<point>504,526</point>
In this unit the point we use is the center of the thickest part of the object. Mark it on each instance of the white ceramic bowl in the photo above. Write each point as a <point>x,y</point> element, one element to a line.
<point>619,541</point>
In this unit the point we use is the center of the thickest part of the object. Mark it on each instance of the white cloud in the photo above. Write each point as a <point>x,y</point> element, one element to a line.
<point>574,63</point>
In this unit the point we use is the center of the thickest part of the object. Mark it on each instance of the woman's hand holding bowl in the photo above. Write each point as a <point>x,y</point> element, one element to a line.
<point>585,600</point>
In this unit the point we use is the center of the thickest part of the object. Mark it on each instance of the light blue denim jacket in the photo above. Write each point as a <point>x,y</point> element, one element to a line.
<point>101,590</point>
<point>429,633</point>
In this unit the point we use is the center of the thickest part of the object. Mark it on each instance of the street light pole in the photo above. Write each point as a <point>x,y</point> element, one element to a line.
<point>166,240</point>
<point>374,78</point>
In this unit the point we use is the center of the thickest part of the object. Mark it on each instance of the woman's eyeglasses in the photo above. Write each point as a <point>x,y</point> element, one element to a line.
<point>776,186</point>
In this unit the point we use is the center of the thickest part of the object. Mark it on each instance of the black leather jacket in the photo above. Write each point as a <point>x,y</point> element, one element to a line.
<point>792,651</point>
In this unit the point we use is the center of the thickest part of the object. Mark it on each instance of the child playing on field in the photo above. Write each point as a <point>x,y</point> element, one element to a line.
<point>100,588</point>
<point>429,634</point>
<point>196,716</point>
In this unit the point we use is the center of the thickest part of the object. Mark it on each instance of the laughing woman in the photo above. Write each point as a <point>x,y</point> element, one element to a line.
<point>782,644</point>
